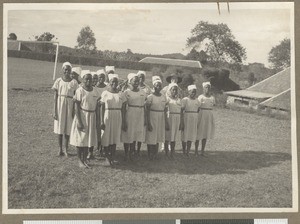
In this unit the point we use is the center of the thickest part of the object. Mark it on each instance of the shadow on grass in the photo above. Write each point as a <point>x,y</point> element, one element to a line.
<point>217,162</point>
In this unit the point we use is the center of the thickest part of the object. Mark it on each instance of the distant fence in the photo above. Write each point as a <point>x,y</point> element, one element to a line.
<point>92,61</point>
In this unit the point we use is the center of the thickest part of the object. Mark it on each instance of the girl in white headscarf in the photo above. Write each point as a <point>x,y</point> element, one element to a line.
<point>157,121</point>
<point>112,117</point>
<point>175,118</point>
<point>64,89</point>
<point>190,107</point>
<point>135,116</point>
<point>206,121</point>
<point>84,127</point>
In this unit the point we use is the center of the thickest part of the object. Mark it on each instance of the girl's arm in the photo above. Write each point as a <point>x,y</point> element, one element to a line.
<point>102,111</point>
<point>98,119</point>
<point>145,115</point>
<point>77,113</point>
<point>124,121</point>
<point>149,126</point>
<point>181,124</point>
<point>55,114</point>
<point>167,125</point>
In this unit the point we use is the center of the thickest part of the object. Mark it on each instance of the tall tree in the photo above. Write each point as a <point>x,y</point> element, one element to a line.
<point>46,36</point>
<point>45,47</point>
<point>217,41</point>
<point>280,55</point>
<point>86,40</point>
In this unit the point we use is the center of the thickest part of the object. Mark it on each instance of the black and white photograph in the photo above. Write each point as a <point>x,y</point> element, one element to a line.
<point>149,108</point>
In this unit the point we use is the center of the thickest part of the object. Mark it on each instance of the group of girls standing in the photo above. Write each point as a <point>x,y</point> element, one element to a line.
<point>99,114</point>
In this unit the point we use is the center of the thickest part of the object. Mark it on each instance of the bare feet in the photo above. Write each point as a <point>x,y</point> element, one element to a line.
<point>81,165</point>
<point>60,153</point>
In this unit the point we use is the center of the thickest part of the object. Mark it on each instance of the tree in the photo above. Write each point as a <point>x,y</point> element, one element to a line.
<point>217,41</point>
<point>86,40</point>
<point>280,55</point>
<point>12,36</point>
<point>46,36</point>
<point>46,47</point>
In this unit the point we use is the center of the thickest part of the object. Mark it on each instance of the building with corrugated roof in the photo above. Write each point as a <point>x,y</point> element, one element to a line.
<point>272,93</point>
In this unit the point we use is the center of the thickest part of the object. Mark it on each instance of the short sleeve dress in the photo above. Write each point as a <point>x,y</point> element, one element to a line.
<point>146,89</point>
<point>135,116</point>
<point>157,119</point>
<point>174,110</point>
<point>112,117</point>
<point>65,92</point>
<point>88,104</point>
<point>206,121</point>
<point>190,107</point>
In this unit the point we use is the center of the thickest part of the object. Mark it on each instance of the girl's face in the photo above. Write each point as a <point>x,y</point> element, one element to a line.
<point>135,82</point>
<point>101,78</point>
<point>174,91</point>
<point>157,87</point>
<point>87,80</point>
<point>192,93</point>
<point>74,75</point>
<point>67,71</point>
<point>206,89</point>
<point>142,78</point>
<point>114,83</point>
<point>95,79</point>
<point>174,80</point>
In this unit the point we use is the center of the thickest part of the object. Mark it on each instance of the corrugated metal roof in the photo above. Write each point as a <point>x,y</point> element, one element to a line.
<point>280,101</point>
<point>249,94</point>
<point>275,84</point>
<point>174,62</point>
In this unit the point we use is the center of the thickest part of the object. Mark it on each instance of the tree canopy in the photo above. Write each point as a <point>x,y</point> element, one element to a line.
<point>280,55</point>
<point>46,36</point>
<point>217,42</point>
<point>86,40</point>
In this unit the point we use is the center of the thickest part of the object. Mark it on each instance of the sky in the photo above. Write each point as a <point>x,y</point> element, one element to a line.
<point>154,28</point>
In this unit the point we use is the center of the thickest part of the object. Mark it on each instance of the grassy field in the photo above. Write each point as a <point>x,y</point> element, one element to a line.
<point>248,163</point>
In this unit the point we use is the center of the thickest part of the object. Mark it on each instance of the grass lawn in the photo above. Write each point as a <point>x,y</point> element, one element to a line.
<point>248,163</point>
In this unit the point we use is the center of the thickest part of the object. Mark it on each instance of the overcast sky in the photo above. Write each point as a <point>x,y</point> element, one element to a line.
<point>154,28</point>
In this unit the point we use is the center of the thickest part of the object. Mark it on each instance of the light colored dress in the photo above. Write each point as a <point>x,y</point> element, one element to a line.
<point>190,107</point>
<point>88,104</point>
<point>100,91</point>
<point>135,117</point>
<point>112,117</point>
<point>174,109</point>
<point>206,121</point>
<point>147,89</point>
<point>157,119</point>
<point>65,92</point>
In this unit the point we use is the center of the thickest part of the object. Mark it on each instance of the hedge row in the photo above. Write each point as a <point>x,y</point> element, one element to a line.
<point>91,61</point>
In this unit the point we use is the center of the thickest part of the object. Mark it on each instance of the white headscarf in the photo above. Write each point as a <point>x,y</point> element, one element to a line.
<point>111,76</point>
<point>156,79</point>
<point>109,68</point>
<point>131,76</point>
<point>66,64</point>
<point>206,84</point>
<point>85,72</point>
<point>100,71</point>
<point>77,70</point>
<point>191,87</point>
<point>172,84</point>
<point>141,72</point>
